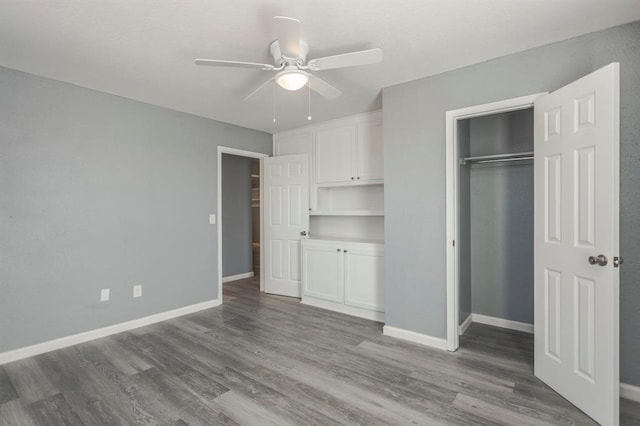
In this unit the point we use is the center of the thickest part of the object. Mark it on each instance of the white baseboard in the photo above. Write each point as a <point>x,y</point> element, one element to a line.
<point>86,336</point>
<point>499,322</point>
<point>412,336</point>
<point>630,392</point>
<point>237,277</point>
<point>465,324</point>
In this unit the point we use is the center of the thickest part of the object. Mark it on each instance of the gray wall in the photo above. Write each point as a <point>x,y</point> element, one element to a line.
<point>97,191</point>
<point>414,135</point>
<point>236,215</point>
<point>501,210</point>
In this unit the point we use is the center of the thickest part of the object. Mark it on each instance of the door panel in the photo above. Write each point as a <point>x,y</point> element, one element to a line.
<point>370,152</point>
<point>364,275</point>
<point>553,198</point>
<point>323,272</point>
<point>576,216</point>
<point>286,216</point>
<point>584,231</point>
<point>277,260</point>
<point>553,320</point>
<point>335,151</point>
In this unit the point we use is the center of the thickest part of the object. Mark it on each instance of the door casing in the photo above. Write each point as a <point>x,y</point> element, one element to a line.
<point>241,153</point>
<point>452,188</point>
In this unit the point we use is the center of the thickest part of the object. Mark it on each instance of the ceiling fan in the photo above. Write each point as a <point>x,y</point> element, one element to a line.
<point>290,60</point>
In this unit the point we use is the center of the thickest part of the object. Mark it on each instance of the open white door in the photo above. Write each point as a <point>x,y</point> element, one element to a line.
<point>576,177</point>
<point>286,221</point>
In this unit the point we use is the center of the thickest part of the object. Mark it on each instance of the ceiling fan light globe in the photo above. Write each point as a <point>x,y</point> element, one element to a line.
<point>292,80</point>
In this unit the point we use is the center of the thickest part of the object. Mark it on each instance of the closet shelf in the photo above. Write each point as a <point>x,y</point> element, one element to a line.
<point>498,158</point>
<point>346,213</point>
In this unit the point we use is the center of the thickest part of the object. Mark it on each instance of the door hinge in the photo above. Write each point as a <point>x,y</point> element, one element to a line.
<point>454,243</point>
<point>617,261</point>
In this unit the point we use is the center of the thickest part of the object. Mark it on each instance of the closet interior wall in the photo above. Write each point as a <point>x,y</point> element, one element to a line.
<point>495,228</point>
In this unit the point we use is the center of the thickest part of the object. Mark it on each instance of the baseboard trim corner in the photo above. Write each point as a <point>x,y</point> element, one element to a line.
<point>63,342</point>
<point>465,324</point>
<point>500,322</point>
<point>237,277</point>
<point>412,336</point>
<point>630,392</point>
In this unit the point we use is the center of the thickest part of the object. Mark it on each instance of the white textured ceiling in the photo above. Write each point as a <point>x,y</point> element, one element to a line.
<point>144,49</point>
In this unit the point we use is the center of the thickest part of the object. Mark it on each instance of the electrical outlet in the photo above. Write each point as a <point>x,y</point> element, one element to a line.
<point>137,291</point>
<point>104,295</point>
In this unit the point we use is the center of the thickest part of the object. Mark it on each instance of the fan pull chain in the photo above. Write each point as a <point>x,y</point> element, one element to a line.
<point>274,102</point>
<point>309,87</point>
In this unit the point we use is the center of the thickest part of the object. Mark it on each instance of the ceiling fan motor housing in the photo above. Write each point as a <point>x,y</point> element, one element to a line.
<point>280,60</point>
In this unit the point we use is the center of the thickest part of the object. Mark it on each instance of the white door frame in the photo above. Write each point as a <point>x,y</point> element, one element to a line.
<point>452,167</point>
<point>241,153</point>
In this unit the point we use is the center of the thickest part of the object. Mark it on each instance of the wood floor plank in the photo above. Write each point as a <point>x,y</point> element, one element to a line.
<point>124,361</point>
<point>12,413</point>
<point>173,401</point>
<point>92,388</point>
<point>31,383</point>
<point>246,411</point>
<point>629,413</point>
<point>495,413</point>
<point>53,411</point>
<point>7,390</point>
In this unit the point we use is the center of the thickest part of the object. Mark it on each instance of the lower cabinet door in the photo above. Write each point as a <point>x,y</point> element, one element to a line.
<point>323,272</point>
<point>364,278</point>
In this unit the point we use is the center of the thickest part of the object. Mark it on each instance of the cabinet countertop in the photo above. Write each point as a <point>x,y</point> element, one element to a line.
<point>346,240</point>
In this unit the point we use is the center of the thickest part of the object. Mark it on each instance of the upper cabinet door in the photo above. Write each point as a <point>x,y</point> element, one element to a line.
<point>370,151</point>
<point>334,154</point>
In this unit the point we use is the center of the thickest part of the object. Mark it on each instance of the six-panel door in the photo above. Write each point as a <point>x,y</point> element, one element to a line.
<point>576,220</point>
<point>286,218</point>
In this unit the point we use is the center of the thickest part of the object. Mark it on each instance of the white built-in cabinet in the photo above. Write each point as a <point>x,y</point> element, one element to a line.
<point>344,276</point>
<point>349,153</point>
<point>342,259</point>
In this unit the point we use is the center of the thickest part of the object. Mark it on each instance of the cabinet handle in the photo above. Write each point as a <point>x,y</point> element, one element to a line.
<point>345,251</point>
<point>358,177</point>
<point>339,250</point>
<point>352,177</point>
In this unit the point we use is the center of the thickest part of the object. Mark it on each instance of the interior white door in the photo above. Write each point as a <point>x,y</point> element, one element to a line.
<point>576,220</point>
<point>286,219</point>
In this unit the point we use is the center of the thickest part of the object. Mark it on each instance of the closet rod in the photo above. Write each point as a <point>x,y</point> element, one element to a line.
<point>518,156</point>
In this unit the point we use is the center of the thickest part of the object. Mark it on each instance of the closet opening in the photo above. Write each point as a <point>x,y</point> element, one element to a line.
<point>239,217</point>
<point>490,221</point>
<point>495,222</point>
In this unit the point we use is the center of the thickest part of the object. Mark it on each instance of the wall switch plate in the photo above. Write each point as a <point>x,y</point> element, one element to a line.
<point>137,291</point>
<point>212,219</point>
<point>104,294</point>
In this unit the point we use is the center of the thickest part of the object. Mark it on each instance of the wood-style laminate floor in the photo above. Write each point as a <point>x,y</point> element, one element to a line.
<point>261,359</point>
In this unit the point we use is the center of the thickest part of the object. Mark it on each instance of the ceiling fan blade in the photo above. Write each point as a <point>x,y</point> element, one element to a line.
<point>250,95</point>
<point>236,64</point>
<point>323,88</point>
<point>288,30</point>
<point>352,59</point>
